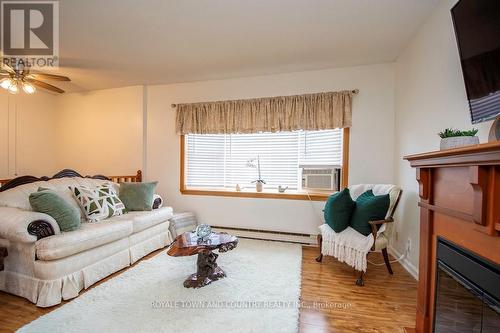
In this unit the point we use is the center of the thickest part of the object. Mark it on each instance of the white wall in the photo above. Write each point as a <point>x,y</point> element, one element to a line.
<point>27,134</point>
<point>100,132</point>
<point>93,132</point>
<point>371,149</point>
<point>429,96</point>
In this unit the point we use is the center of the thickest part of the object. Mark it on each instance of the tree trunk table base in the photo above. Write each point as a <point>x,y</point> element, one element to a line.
<point>208,271</point>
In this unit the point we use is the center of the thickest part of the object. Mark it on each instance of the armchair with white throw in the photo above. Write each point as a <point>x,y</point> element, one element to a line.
<point>352,247</point>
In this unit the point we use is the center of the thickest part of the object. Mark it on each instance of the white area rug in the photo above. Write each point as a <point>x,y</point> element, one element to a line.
<point>260,294</point>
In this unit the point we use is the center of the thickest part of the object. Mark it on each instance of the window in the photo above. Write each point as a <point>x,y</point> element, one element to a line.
<point>218,162</point>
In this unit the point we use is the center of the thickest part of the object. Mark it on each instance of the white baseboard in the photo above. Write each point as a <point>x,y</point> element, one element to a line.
<point>410,268</point>
<point>269,235</point>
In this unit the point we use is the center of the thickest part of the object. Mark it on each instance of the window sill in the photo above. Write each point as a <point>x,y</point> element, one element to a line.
<point>265,194</point>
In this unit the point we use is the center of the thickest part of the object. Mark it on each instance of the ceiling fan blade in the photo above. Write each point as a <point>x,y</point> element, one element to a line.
<point>44,85</point>
<point>49,77</point>
<point>7,68</point>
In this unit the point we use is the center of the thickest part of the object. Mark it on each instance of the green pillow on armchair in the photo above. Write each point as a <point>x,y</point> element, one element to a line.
<point>338,210</point>
<point>369,207</point>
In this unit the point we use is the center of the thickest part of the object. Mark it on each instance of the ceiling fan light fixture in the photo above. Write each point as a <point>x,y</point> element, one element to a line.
<point>28,88</point>
<point>6,83</point>
<point>13,88</point>
<point>13,80</point>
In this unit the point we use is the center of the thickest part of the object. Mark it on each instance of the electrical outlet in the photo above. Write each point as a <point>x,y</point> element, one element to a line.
<point>408,246</point>
<point>397,236</point>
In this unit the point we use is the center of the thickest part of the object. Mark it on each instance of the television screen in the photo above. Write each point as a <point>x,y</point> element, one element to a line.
<point>477,28</point>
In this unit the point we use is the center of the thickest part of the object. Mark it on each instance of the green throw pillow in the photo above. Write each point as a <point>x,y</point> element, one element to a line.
<point>338,210</point>
<point>137,196</point>
<point>369,207</point>
<point>50,203</point>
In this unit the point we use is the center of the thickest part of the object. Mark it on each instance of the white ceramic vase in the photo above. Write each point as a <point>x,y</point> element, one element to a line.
<point>258,186</point>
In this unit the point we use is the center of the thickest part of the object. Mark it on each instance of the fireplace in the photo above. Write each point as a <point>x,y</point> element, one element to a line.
<point>459,195</point>
<point>467,291</point>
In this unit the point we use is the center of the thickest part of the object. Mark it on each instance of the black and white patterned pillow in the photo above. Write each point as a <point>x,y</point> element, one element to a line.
<point>98,203</point>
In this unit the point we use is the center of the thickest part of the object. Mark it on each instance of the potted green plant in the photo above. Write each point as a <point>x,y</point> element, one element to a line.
<point>453,138</point>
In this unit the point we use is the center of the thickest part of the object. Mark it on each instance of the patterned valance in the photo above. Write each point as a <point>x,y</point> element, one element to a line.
<point>319,111</point>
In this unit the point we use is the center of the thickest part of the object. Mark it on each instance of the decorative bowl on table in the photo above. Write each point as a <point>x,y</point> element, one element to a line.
<point>203,232</point>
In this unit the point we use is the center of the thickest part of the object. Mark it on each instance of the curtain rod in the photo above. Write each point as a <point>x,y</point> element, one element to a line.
<point>355,91</point>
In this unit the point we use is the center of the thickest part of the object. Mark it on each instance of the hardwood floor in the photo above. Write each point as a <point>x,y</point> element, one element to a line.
<point>386,303</point>
<point>331,301</point>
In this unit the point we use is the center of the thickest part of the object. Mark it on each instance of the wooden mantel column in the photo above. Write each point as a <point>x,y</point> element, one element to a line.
<point>459,192</point>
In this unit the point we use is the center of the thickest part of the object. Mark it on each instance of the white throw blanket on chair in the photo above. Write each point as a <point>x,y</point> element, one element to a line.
<point>348,246</point>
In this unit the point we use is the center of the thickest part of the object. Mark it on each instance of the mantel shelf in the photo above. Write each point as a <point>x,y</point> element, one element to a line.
<point>481,154</point>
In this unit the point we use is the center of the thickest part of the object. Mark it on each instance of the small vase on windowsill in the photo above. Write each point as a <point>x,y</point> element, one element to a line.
<point>259,185</point>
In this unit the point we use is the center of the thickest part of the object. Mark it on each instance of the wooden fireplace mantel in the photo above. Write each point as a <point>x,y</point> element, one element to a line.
<point>459,192</point>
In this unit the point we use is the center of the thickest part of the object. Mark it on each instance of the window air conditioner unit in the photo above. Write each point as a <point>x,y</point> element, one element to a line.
<point>321,177</point>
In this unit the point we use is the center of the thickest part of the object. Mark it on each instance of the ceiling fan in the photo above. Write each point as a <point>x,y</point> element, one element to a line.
<point>22,77</point>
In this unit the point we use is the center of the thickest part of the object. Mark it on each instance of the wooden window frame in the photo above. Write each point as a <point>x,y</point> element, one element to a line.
<point>269,194</point>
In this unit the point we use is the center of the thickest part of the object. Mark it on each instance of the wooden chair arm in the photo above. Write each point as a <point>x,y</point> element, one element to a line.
<point>374,225</point>
<point>378,222</point>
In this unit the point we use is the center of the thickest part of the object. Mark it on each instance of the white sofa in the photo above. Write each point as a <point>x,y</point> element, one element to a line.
<point>57,267</point>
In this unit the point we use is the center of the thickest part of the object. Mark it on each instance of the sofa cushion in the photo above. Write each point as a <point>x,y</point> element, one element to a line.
<point>142,220</point>
<point>53,269</point>
<point>90,235</point>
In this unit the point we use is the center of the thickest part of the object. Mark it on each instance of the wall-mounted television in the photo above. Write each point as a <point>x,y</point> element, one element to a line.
<point>477,28</point>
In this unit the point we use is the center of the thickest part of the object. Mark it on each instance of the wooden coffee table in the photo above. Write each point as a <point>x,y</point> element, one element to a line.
<point>208,271</point>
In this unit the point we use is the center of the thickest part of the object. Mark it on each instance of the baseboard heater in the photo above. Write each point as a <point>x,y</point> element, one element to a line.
<point>289,237</point>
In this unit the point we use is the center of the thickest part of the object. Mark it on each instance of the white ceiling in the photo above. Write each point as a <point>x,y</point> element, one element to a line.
<point>113,43</point>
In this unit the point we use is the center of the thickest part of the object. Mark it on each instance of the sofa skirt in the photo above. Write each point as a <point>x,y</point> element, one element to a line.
<point>149,240</point>
<point>63,279</point>
<point>47,293</point>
